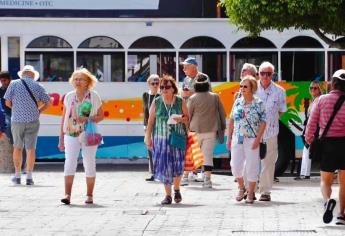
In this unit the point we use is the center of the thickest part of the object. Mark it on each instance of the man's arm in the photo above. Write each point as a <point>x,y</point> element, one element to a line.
<point>8,103</point>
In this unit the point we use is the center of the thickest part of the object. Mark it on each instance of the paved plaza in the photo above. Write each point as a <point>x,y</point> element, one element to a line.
<point>125,204</point>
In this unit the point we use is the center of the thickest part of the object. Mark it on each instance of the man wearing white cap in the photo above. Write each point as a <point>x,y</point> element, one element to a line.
<point>329,115</point>
<point>23,96</point>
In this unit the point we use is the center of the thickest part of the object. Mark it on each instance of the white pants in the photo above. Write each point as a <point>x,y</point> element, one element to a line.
<point>244,159</point>
<point>207,142</point>
<point>268,166</point>
<point>72,150</point>
<point>306,162</point>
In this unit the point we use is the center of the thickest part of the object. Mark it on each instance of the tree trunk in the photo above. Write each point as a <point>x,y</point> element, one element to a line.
<point>6,156</point>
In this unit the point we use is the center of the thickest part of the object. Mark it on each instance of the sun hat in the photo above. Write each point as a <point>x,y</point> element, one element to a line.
<point>29,68</point>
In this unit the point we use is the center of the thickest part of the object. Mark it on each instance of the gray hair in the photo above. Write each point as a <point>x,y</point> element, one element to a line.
<point>152,77</point>
<point>266,64</point>
<point>250,67</point>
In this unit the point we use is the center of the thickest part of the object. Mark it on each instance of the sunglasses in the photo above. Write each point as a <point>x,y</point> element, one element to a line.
<point>166,87</point>
<point>313,88</point>
<point>243,86</point>
<point>267,74</point>
<point>154,83</point>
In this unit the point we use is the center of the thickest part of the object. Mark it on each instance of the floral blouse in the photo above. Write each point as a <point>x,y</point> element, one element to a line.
<point>242,113</point>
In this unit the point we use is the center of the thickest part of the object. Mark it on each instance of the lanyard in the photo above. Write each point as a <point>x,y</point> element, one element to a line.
<point>166,108</point>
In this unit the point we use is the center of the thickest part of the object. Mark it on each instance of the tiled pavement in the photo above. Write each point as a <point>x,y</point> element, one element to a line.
<point>127,205</point>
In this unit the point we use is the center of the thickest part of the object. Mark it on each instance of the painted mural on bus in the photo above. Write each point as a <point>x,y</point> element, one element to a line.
<point>122,127</point>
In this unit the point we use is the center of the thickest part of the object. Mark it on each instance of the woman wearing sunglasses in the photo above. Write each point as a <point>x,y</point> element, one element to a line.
<point>168,159</point>
<point>247,125</point>
<point>148,97</point>
<point>315,92</point>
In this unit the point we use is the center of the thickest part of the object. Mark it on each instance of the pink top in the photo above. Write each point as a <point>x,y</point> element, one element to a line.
<point>320,114</point>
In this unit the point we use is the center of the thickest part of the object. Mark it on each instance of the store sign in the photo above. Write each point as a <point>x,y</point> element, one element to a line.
<point>80,4</point>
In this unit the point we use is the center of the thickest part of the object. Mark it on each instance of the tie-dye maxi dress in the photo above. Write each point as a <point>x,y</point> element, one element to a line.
<point>168,161</point>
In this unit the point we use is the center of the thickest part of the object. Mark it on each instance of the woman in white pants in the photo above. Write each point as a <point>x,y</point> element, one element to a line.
<point>247,125</point>
<point>315,92</point>
<point>80,106</point>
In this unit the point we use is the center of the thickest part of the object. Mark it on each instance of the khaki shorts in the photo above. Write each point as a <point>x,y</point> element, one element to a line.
<point>25,134</point>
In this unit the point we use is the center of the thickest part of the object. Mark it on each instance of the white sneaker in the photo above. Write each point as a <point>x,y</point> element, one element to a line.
<point>191,176</point>
<point>200,177</point>
<point>184,181</point>
<point>207,184</point>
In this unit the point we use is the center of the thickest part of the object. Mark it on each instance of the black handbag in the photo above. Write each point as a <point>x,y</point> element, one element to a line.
<point>262,150</point>
<point>263,145</point>
<point>315,148</point>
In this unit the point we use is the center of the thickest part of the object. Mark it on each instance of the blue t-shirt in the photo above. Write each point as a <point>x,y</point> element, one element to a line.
<point>24,109</point>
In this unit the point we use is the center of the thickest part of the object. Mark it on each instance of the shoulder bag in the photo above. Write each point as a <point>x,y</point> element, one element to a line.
<point>315,148</point>
<point>29,91</point>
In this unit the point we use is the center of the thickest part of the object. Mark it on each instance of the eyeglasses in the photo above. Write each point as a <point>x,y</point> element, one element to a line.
<point>243,86</point>
<point>267,74</point>
<point>80,80</point>
<point>313,88</point>
<point>154,83</point>
<point>166,87</point>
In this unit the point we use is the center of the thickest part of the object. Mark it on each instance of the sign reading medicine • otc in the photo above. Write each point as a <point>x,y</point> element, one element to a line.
<point>80,4</point>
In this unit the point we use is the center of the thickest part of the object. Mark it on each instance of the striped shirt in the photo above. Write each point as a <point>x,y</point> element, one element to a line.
<point>321,113</point>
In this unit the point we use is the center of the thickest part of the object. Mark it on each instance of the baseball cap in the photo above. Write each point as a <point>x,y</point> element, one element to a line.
<point>190,61</point>
<point>339,74</point>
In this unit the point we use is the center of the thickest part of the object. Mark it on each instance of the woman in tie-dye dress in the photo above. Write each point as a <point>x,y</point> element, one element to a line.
<point>168,160</point>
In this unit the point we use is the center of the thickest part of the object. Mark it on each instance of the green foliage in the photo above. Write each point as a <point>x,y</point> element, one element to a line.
<point>254,16</point>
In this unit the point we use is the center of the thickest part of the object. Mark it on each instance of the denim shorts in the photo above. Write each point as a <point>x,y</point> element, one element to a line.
<point>25,134</point>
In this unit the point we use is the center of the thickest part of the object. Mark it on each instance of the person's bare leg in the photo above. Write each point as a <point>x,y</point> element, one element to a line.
<point>90,184</point>
<point>341,176</point>
<point>17,159</point>
<point>326,184</point>
<point>30,159</point>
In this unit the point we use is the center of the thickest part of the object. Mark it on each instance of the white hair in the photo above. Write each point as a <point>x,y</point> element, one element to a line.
<point>266,64</point>
<point>152,77</point>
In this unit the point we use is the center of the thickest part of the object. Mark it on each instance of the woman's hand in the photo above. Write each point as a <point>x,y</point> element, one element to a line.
<point>228,143</point>
<point>61,144</point>
<point>256,143</point>
<point>2,135</point>
<point>82,119</point>
<point>148,142</point>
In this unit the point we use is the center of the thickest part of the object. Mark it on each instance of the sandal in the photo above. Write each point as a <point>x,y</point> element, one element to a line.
<point>265,198</point>
<point>177,196</point>
<point>240,194</point>
<point>89,200</point>
<point>66,200</point>
<point>167,200</point>
<point>250,198</point>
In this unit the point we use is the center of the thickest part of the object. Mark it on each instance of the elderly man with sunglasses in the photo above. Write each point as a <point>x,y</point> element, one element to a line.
<point>274,98</point>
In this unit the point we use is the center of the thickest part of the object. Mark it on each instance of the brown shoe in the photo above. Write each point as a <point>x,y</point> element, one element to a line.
<point>265,198</point>
<point>177,196</point>
<point>167,200</point>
